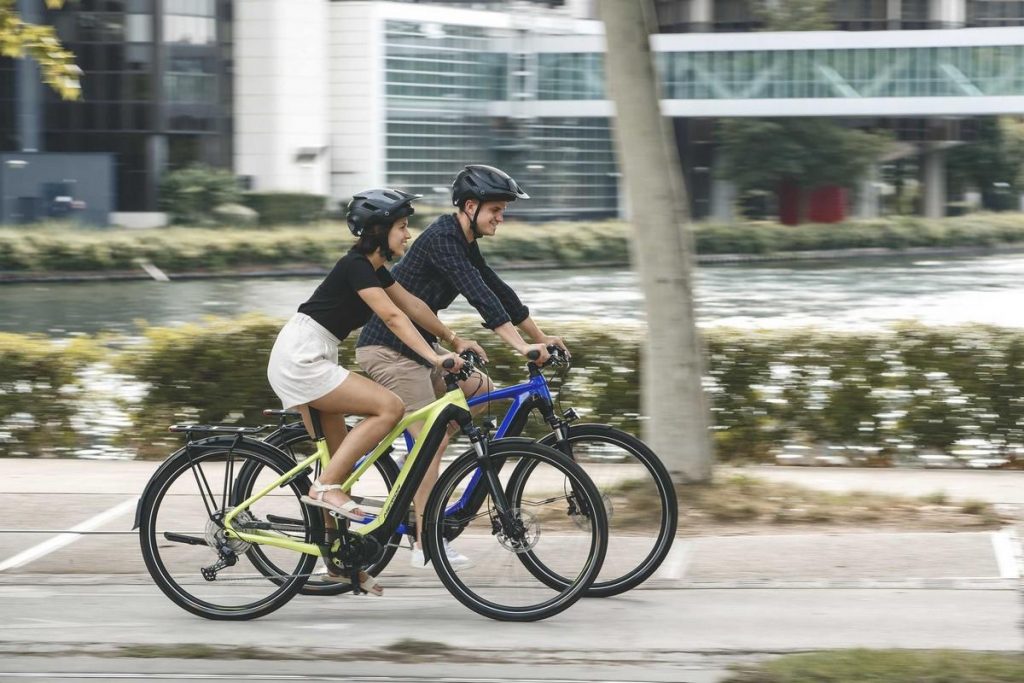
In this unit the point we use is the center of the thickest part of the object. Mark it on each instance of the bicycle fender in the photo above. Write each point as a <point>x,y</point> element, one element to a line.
<point>205,444</point>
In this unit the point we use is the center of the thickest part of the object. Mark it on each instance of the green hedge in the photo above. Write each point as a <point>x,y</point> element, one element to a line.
<point>286,208</point>
<point>60,248</point>
<point>39,390</point>
<point>911,390</point>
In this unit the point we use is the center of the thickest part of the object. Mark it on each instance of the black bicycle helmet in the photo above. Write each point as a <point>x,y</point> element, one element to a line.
<point>485,183</point>
<point>378,206</point>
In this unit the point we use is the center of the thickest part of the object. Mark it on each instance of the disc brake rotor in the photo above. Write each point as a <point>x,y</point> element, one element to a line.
<point>524,537</point>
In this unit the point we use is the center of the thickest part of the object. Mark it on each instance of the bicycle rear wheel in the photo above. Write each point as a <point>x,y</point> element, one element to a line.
<point>375,483</point>
<point>502,583</point>
<point>182,537</point>
<point>638,496</point>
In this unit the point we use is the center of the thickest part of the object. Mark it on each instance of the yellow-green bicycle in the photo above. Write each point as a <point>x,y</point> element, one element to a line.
<point>225,535</point>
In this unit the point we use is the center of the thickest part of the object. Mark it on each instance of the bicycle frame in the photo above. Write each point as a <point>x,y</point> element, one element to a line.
<point>524,397</point>
<point>532,393</point>
<point>435,416</point>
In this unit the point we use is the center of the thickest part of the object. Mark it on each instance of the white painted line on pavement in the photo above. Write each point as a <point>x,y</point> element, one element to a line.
<point>58,542</point>
<point>677,562</point>
<point>1007,548</point>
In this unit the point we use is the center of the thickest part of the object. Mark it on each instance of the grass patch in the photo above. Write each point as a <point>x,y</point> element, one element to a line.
<point>885,666</point>
<point>743,500</point>
<point>418,648</point>
<point>200,651</point>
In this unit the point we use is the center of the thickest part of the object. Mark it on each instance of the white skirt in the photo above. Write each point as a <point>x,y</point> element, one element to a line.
<point>304,363</point>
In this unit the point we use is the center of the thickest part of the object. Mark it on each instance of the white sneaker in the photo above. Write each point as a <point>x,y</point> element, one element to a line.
<point>418,561</point>
<point>457,560</point>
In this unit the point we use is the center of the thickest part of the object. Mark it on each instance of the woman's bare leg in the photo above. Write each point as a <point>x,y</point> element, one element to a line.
<point>355,396</point>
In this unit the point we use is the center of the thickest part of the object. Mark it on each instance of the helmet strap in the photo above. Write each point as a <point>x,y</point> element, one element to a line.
<point>472,222</point>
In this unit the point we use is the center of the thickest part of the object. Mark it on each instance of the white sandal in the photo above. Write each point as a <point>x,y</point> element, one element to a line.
<point>346,510</point>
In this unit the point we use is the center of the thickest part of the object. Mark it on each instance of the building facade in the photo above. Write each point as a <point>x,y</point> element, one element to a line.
<point>157,90</point>
<point>334,96</point>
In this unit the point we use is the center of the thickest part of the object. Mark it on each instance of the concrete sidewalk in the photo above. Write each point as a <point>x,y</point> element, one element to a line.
<point>96,498</point>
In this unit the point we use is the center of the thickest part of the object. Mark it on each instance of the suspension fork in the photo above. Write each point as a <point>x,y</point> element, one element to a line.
<point>486,465</point>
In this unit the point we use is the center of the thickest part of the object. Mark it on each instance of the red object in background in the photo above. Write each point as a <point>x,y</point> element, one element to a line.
<point>789,203</point>
<point>827,205</point>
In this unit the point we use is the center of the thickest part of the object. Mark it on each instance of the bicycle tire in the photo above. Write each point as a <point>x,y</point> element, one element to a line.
<point>622,575</point>
<point>156,545</point>
<point>470,589</point>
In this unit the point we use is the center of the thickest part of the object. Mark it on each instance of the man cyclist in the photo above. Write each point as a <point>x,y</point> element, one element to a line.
<point>443,262</point>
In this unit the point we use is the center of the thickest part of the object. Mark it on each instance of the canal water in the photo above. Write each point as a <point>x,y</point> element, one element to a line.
<point>825,294</point>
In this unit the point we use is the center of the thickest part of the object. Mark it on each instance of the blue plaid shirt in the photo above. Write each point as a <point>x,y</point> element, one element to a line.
<point>440,265</point>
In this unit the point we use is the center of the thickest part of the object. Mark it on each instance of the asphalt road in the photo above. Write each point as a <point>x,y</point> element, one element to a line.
<point>80,605</point>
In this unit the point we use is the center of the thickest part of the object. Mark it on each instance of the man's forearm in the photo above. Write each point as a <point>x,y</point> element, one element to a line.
<point>530,328</point>
<point>510,334</point>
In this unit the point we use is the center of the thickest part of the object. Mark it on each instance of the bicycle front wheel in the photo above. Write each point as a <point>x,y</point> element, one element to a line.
<point>182,534</point>
<point>638,496</point>
<point>506,548</point>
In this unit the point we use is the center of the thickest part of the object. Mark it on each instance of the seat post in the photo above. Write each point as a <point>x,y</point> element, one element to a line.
<point>314,418</point>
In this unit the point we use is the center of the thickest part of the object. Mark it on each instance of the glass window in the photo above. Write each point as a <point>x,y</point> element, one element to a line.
<point>138,57</point>
<point>138,28</point>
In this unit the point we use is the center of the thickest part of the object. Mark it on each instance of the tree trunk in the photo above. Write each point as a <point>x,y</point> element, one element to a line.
<point>672,395</point>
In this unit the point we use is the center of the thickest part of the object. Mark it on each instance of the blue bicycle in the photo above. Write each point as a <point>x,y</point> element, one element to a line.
<point>636,489</point>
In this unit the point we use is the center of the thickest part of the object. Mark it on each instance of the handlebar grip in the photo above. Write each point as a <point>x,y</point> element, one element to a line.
<point>533,355</point>
<point>448,363</point>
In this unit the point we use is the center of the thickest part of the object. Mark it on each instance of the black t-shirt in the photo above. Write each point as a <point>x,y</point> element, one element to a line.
<point>335,304</point>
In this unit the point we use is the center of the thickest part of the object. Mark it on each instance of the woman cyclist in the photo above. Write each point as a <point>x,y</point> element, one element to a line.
<point>304,370</point>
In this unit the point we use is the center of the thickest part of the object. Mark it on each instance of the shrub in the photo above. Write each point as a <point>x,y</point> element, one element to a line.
<point>909,390</point>
<point>211,372</point>
<point>286,208</point>
<point>191,194</point>
<point>37,384</point>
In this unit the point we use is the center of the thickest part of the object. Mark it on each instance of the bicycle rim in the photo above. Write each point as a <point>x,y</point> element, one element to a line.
<point>179,534</point>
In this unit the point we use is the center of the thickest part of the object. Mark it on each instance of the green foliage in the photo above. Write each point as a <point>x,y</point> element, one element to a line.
<point>760,154</point>
<point>20,39</point>
<point>913,389</point>
<point>57,248</point>
<point>286,208</point>
<point>884,666</point>
<point>37,393</point>
<point>795,15</point>
<point>214,372</point>
<point>191,194</point>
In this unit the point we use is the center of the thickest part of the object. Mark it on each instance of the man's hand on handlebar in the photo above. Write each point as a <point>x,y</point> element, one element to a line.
<point>538,354</point>
<point>552,340</point>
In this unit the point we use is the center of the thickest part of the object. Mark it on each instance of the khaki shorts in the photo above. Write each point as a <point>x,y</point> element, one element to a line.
<point>416,384</point>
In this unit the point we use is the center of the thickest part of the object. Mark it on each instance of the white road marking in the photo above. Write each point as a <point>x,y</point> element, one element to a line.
<point>678,560</point>
<point>1007,548</point>
<point>58,542</point>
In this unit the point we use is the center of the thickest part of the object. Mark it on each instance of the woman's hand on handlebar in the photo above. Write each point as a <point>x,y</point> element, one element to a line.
<point>470,345</point>
<point>449,362</point>
<point>537,353</point>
